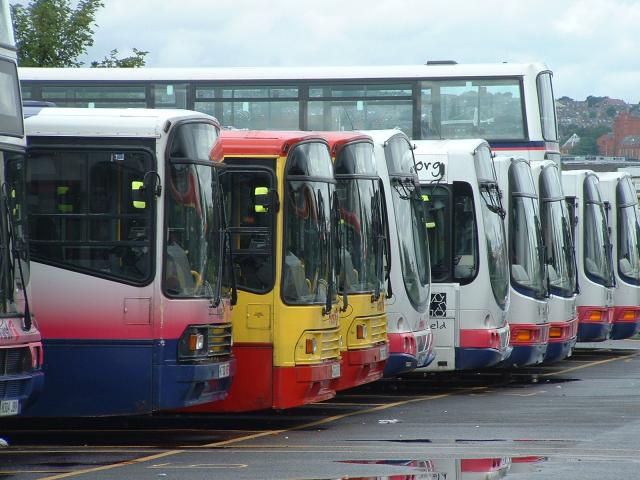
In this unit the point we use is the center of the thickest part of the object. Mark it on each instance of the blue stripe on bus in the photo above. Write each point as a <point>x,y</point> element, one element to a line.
<point>399,363</point>
<point>537,145</point>
<point>472,358</point>
<point>593,332</point>
<point>120,377</point>
<point>524,355</point>
<point>557,351</point>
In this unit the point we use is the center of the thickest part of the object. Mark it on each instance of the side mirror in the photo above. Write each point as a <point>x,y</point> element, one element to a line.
<point>262,199</point>
<point>137,194</point>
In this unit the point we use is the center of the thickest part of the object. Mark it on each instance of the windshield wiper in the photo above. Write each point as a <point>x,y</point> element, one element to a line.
<point>494,203</point>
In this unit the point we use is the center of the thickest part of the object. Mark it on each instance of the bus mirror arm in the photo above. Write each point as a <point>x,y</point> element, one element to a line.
<point>157,186</point>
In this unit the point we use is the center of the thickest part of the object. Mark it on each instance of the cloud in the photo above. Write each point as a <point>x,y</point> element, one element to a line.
<point>591,45</point>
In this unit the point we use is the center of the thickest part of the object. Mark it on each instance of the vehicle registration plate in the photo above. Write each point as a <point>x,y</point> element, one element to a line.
<point>384,353</point>
<point>5,331</point>
<point>335,370</point>
<point>9,407</point>
<point>225,370</point>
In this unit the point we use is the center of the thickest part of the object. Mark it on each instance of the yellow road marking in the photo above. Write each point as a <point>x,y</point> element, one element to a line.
<point>314,423</point>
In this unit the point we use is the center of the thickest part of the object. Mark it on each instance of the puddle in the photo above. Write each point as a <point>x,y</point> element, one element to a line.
<point>450,468</point>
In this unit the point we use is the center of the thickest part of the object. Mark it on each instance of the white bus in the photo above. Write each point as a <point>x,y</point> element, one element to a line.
<point>511,105</point>
<point>410,338</point>
<point>559,259</point>
<point>593,254</point>
<point>528,311</point>
<point>21,376</point>
<point>468,248</point>
<point>618,191</point>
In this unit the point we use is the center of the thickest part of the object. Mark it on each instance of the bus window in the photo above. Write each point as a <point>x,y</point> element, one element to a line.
<point>438,231</point>
<point>547,107</point>
<point>465,234</point>
<point>250,209</point>
<point>628,246</point>
<point>83,220</point>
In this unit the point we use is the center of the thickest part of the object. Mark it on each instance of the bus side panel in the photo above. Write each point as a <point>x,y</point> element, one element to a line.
<point>79,382</point>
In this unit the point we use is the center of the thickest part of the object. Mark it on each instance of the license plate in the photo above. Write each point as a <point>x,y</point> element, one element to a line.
<point>335,370</point>
<point>384,353</point>
<point>9,407</point>
<point>224,371</point>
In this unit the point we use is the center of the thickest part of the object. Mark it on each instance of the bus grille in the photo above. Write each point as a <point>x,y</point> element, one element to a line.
<point>219,340</point>
<point>12,388</point>
<point>330,344</point>
<point>379,329</point>
<point>13,360</point>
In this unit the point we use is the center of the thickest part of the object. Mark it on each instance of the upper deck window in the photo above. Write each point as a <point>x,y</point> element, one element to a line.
<point>472,108</point>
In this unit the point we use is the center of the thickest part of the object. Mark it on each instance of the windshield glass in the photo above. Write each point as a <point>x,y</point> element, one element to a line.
<point>556,229</point>
<point>438,231</point>
<point>547,108</point>
<point>597,246</point>
<point>194,231</point>
<point>11,122</point>
<point>412,238</point>
<point>362,230</point>
<point>527,270</point>
<point>472,108</point>
<point>308,271</point>
<point>628,235</point>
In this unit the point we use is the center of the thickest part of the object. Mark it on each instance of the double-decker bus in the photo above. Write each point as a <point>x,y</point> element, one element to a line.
<point>618,191</point>
<point>410,337</point>
<point>128,247</point>
<point>281,203</point>
<point>592,244</point>
<point>363,258</point>
<point>509,104</point>
<point>528,311</point>
<point>560,260</point>
<point>468,248</point>
<point>21,356</point>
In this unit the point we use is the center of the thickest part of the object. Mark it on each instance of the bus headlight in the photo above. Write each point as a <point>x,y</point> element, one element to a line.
<point>311,346</point>
<point>193,343</point>
<point>361,332</point>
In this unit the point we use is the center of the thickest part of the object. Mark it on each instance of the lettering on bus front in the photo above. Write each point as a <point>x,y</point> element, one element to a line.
<point>433,170</point>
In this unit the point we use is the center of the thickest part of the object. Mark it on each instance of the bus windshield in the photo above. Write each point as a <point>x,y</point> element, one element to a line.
<point>492,217</point>
<point>472,108</point>
<point>527,269</point>
<point>362,231</point>
<point>309,274</point>
<point>628,235</point>
<point>194,232</point>
<point>412,238</point>
<point>556,229</point>
<point>597,247</point>
<point>547,107</point>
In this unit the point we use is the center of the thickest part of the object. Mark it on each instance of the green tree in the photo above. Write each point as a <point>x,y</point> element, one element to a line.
<point>50,33</point>
<point>112,60</point>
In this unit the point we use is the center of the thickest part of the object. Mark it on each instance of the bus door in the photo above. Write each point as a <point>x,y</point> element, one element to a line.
<point>91,241</point>
<point>251,204</point>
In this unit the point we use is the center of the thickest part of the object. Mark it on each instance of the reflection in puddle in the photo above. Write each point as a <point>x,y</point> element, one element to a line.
<point>451,468</point>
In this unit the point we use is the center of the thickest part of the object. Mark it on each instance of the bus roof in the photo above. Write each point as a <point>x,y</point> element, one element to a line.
<point>259,142</point>
<point>107,122</point>
<point>447,147</point>
<point>280,73</point>
<point>337,139</point>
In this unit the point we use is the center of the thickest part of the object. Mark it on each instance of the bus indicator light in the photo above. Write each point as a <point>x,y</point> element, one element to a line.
<point>311,346</point>
<point>196,342</point>
<point>595,316</point>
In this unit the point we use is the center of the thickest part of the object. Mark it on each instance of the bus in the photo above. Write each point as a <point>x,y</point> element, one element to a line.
<point>468,248</point>
<point>128,243</point>
<point>619,194</point>
<point>410,337</point>
<point>363,258</point>
<point>509,104</point>
<point>281,203</point>
<point>593,254</point>
<point>21,355</point>
<point>560,260</point>
<point>528,312</point>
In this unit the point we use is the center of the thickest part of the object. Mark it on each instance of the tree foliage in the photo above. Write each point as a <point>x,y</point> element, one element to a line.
<point>112,60</point>
<point>588,138</point>
<point>51,33</point>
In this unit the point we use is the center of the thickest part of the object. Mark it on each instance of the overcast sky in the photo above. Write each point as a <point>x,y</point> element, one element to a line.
<point>593,46</point>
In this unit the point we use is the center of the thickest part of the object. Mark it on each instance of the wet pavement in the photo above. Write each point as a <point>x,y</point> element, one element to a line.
<point>577,419</point>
